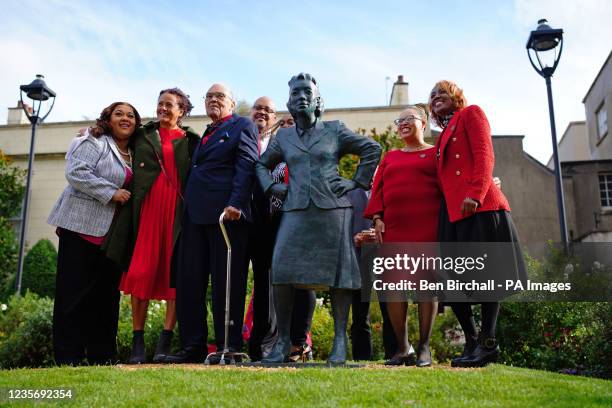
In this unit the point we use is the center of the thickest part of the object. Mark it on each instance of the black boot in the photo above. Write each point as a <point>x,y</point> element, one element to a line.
<point>341,300</point>
<point>468,349</point>
<point>163,346</point>
<point>283,305</point>
<point>486,352</point>
<point>138,348</point>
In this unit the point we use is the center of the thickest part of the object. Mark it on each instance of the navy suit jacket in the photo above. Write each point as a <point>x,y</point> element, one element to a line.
<point>359,199</point>
<point>222,172</point>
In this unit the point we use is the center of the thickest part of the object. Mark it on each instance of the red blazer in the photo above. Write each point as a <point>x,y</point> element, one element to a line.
<point>465,163</point>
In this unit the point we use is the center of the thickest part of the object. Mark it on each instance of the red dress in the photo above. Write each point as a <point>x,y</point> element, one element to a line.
<point>148,276</point>
<point>407,193</point>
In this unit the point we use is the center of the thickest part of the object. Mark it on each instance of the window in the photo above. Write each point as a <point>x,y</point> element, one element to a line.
<point>605,190</point>
<point>602,121</point>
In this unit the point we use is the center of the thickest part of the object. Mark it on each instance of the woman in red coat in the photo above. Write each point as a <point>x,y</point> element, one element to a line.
<point>474,208</point>
<point>405,206</point>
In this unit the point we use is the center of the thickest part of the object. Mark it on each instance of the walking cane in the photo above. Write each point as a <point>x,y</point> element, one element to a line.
<point>228,273</point>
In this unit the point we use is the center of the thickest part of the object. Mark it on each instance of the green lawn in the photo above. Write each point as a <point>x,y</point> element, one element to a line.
<point>373,385</point>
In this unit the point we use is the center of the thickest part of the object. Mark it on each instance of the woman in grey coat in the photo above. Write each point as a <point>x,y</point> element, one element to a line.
<point>86,309</point>
<point>314,248</point>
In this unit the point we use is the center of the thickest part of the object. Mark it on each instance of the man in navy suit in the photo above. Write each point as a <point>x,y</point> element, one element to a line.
<point>221,180</point>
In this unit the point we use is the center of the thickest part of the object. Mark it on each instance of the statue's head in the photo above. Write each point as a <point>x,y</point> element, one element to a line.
<point>304,97</point>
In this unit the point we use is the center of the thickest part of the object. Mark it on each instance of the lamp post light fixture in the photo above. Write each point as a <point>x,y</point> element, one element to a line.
<point>543,44</point>
<point>37,91</point>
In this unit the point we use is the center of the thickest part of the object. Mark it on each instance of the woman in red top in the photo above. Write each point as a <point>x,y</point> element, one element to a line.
<point>474,208</point>
<point>405,206</point>
<point>163,151</point>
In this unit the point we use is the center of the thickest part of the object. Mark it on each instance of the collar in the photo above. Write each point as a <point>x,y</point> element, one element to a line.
<point>215,125</point>
<point>447,119</point>
<point>221,121</point>
<point>318,125</point>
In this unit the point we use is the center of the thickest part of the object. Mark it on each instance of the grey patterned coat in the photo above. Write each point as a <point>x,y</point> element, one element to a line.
<point>94,171</point>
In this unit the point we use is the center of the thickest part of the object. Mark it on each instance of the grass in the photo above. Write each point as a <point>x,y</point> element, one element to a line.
<point>373,385</point>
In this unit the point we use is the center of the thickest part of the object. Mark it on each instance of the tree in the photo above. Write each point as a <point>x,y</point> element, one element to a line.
<point>388,140</point>
<point>11,196</point>
<point>11,187</point>
<point>243,108</point>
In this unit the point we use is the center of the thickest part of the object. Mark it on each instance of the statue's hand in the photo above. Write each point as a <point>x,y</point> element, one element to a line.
<point>279,190</point>
<point>340,186</point>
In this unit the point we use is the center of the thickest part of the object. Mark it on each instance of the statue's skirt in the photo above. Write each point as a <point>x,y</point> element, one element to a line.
<point>314,248</point>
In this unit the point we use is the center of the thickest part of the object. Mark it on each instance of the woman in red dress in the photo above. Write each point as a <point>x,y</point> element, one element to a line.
<point>146,232</point>
<point>405,205</point>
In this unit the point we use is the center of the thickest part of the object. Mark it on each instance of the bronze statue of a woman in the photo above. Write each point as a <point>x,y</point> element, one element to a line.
<point>314,248</point>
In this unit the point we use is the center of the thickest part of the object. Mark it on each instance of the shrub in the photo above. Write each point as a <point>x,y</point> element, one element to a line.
<point>571,337</point>
<point>26,332</point>
<point>39,269</point>
<point>322,332</point>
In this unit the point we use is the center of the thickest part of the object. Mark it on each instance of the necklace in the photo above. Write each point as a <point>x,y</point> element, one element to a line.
<point>128,154</point>
<point>415,149</point>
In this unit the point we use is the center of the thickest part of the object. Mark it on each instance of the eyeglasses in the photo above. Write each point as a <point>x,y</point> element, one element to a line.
<point>217,95</point>
<point>266,109</point>
<point>401,121</point>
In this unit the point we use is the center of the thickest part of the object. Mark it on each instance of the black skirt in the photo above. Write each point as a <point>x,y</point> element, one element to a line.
<point>487,226</point>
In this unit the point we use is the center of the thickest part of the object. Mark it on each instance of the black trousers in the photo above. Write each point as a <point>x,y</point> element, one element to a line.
<point>86,307</point>
<point>202,254</point>
<point>361,334</point>
<point>262,235</point>
<point>389,340</point>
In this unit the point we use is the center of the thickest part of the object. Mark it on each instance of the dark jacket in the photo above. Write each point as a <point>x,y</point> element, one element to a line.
<point>222,172</point>
<point>121,238</point>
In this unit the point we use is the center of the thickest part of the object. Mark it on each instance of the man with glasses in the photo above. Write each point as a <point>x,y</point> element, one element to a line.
<point>221,180</point>
<point>261,242</point>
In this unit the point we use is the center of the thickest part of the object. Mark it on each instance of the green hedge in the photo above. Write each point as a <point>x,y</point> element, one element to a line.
<point>39,270</point>
<point>575,338</point>
<point>25,332</point>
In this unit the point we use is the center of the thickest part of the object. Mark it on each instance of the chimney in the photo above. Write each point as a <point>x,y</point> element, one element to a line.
<point>16,116</point>
<point>399,92</point>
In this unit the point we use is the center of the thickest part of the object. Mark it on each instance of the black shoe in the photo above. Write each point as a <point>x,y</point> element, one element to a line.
<point>486,352</point>
<point>468,349</point>
<point>138,349</point>
<point>424,359</point>
<point>398,360</point>
<point>188,355</point>
<point>163,346</point>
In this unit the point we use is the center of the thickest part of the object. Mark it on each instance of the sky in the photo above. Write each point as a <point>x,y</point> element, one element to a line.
<point>93,53</point>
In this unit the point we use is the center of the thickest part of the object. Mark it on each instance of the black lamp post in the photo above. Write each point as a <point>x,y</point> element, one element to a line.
<point>546,40</point>
<point>37,91</point>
